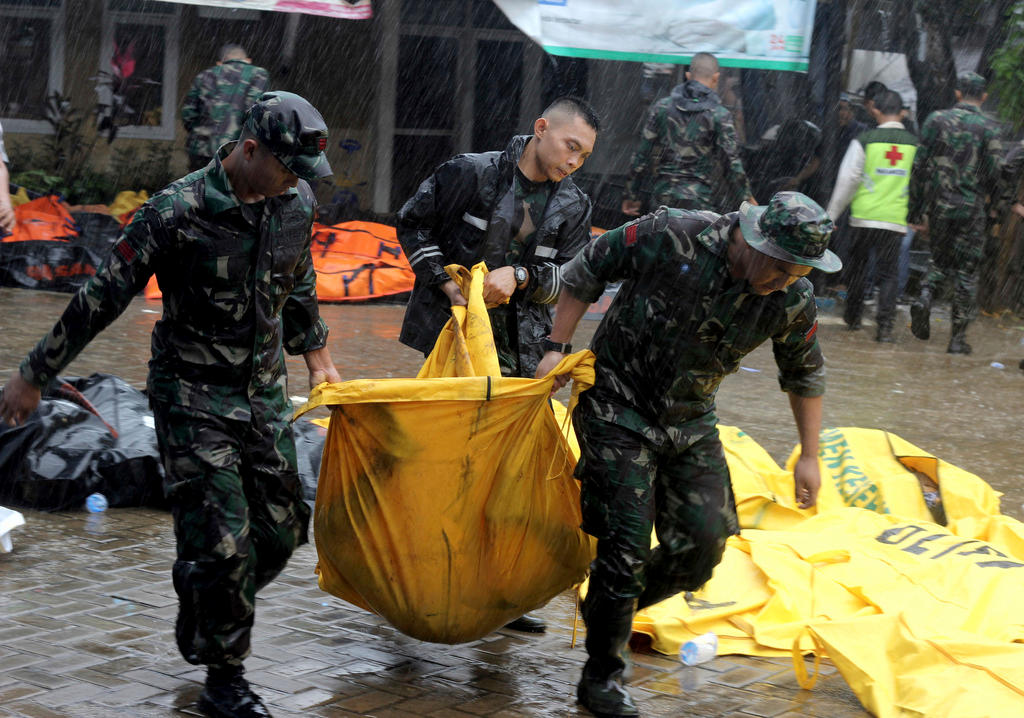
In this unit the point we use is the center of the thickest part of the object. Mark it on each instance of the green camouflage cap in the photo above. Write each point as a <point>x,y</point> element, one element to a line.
<point>293,131</point>
<point>970,84</point>
<point>791,227</point>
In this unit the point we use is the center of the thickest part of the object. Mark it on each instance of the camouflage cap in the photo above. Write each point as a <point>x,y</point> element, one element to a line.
<point>293,131</point>
<point>970,84</point>
<point>791,227</point>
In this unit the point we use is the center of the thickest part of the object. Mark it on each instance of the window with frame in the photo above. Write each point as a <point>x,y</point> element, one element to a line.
<point>138,78</point>
<point>32,58</point>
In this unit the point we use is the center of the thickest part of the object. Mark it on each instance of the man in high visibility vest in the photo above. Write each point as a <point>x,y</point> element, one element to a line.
<point>873,179</point>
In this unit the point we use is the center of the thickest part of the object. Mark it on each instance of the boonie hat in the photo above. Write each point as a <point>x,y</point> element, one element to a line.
<point>791,227</point>
<point>970,84</point>
<point>293,131</point>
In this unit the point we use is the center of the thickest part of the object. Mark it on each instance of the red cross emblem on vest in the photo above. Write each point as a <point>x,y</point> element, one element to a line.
<point>894,156</point>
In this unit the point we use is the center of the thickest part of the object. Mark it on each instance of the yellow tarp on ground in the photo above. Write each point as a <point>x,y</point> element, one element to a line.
<point>126,202</point>
<point>446,503</point>
<point>921,619</point>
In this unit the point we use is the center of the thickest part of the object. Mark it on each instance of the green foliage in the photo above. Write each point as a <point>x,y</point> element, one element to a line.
<point>85,187</point>
<point>59,163</point>
<point>64,150</point>
<point>1008,69</point>
<point>37,180</point>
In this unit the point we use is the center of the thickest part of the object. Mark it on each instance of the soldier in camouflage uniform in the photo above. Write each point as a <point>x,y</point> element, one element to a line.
<point>700,291</point>
<point>220,95</point>
<point>956,168</point>
<point>230,246</point>
<point>684,136</point>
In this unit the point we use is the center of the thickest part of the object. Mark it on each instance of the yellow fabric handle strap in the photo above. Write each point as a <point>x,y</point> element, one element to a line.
<point>800,666</point>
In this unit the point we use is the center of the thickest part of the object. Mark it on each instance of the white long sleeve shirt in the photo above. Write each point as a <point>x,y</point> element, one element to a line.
<point>851,174</point>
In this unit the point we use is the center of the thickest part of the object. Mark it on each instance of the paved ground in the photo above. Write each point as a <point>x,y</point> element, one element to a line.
<point>87,610</point>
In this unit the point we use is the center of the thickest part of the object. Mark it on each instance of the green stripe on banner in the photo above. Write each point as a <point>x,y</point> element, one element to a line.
<point>799,65</point>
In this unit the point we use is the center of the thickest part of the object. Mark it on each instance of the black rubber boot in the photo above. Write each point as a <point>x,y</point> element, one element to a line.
<point>227,695</point>
<point>609,626</point>
<point>920,315</point>
<point>528,623</point>
<point>884,334</point>
<point>958,339</point>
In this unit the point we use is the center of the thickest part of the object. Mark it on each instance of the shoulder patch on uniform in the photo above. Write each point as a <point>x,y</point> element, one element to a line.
<point>125,250</point>
<point>631,234</point>
<point>811,332</point>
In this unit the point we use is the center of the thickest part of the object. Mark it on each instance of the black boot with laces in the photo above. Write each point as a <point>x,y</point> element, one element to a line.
<point>227,695</point>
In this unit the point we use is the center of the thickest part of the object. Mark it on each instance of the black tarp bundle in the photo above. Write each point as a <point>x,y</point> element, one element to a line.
<point>62,264</point>
<point>97,435</point>
<point>88,435</point>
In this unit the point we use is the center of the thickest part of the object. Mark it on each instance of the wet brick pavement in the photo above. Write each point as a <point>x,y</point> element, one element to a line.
<point>87,611</point>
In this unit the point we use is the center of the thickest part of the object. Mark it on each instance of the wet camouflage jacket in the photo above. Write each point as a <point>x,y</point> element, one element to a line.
<point>957,164</point>
<point>238,287</point>
<point>680,323</point>
<point>684,136</point>
<point>461,214</point>
<point>214,107</point>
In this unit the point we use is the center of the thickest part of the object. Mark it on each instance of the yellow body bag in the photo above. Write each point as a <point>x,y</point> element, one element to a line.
<point>921,619</point>
<point>447,503</point>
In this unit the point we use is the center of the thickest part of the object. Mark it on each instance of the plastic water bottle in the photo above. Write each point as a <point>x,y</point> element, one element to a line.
<point>96,503</point>
<point>699,650</point>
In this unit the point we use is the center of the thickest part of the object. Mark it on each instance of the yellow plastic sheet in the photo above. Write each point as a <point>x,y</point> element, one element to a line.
<point>20,197</point>
<point>446,503</point>
<point>920,618</point>
<point>126,201</point>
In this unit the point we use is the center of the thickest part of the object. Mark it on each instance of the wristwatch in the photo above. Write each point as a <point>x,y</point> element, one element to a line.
<point>553,346</point>
<point>521,275</point>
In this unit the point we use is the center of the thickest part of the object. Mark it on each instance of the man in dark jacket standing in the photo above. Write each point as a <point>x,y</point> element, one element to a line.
<point>518,211</point>
<point>685,135</point>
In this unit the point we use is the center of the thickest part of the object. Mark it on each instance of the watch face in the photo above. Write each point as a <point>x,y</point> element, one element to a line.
<point>520,275</point>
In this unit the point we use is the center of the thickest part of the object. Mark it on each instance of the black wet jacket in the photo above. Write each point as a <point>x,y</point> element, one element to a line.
<point>447,222</point>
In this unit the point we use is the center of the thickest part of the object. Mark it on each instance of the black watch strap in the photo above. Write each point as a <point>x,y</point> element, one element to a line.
<point>551,346</point>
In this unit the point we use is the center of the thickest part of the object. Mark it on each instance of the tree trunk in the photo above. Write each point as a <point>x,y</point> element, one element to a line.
<point>924,33</point>
<point>995,38</point>
<point>835,29</point>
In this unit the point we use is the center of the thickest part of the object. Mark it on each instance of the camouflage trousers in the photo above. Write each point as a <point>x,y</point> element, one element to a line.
<point>956,250</point>
<point>631,486</point>
<point>668,194</point>
<point>238,513</point>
